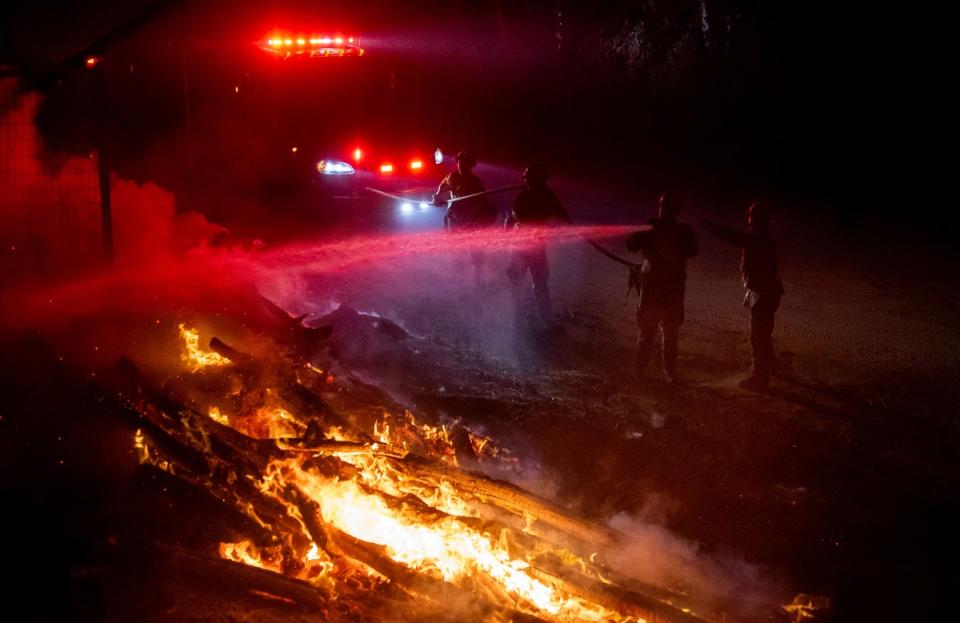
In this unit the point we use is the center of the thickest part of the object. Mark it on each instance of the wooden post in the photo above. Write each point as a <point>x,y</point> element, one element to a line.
<point>103,170</point>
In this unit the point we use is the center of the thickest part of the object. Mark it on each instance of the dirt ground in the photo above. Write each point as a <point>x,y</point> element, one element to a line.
<point>840,481</point>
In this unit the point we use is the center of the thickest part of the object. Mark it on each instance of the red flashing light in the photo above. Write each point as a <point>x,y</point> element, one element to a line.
<point>289,45</point>
<point>357,155</point>
<point>416,165</point>
<point>386,168</point>
<point>91,62</point>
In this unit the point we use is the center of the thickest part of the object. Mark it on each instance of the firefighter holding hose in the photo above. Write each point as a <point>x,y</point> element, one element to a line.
<point>534,206</point>
<point>666,245</point>
<point>469,214</point>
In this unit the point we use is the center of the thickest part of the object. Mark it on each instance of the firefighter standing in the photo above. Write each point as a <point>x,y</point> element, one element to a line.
<point>533,206</point>
<point>469,214</point>
<point>761,278</point>
<point>666,245</point>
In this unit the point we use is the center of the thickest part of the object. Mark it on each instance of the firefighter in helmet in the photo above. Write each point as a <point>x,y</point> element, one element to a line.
<point>534,206</point>
<point>666,245</point>
<point>761,279</point>
<point>468,214</point>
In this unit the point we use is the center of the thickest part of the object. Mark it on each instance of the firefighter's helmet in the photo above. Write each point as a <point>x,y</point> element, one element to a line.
<point>758,212</point>
<point>535,173</point>
<point>670,203</point>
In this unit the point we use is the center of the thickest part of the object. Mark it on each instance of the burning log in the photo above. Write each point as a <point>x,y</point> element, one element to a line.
<point>268,518</point>
<point>234,355</point>
<point>617,598</point>
<point>339,448</point>
<point>470,607</point>
<point>182,422</point>
<point>303,339</point>
<point>511,498</point>
<point>347,487</point>
<point>307,403</point>
<point>301,399</point>
<point>219,571</point>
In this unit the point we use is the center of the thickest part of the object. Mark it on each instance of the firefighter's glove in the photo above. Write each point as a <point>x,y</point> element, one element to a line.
<point>437,201</point>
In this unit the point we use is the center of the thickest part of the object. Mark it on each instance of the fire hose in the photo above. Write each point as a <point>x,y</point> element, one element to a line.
<point>633,281</point>
<point>452,199</point>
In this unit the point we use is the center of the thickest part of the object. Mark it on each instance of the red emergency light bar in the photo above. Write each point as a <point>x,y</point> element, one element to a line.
<point>313,46</point>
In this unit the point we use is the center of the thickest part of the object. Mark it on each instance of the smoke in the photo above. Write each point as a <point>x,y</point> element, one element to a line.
<point>652,554</point>
<point>146,226</point>
<point>50,208</point>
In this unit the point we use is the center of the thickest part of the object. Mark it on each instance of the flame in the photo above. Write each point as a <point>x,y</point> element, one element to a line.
<point>405,432</point>
<point>193,355</point>
<point>272,420</point>
<point>445,548</point>
<point>247,553</point>
<point>805,607</point>
<point>280,423</point>
<point>421,520</point>
<point>217,417</point>
<point>145,454</point>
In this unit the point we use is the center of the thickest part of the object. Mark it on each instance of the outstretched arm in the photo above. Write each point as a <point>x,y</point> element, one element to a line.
<point>559,211</point>
<point>727,234</point>
<point>638,241</point>
<point>442,188</point>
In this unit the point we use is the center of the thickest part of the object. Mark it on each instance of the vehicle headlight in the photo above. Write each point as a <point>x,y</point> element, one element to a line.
<point>335,167</point>
<point>438,156</point>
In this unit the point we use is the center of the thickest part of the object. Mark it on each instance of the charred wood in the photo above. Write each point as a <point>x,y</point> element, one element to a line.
<point>238,358</point>
<point>651,609</point>
<point>291,330</point>
<point>513,499</point>
<point>217,571</point>
<point>454,600</point>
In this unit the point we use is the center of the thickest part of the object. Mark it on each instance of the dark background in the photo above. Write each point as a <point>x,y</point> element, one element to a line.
<point>836,110</point>
<point>820,105</point>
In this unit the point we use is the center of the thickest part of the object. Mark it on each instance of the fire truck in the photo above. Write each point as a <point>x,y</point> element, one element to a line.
<point>342,121</point>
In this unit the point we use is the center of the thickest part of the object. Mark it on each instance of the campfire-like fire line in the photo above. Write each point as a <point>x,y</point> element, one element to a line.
<point>333,502</point>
